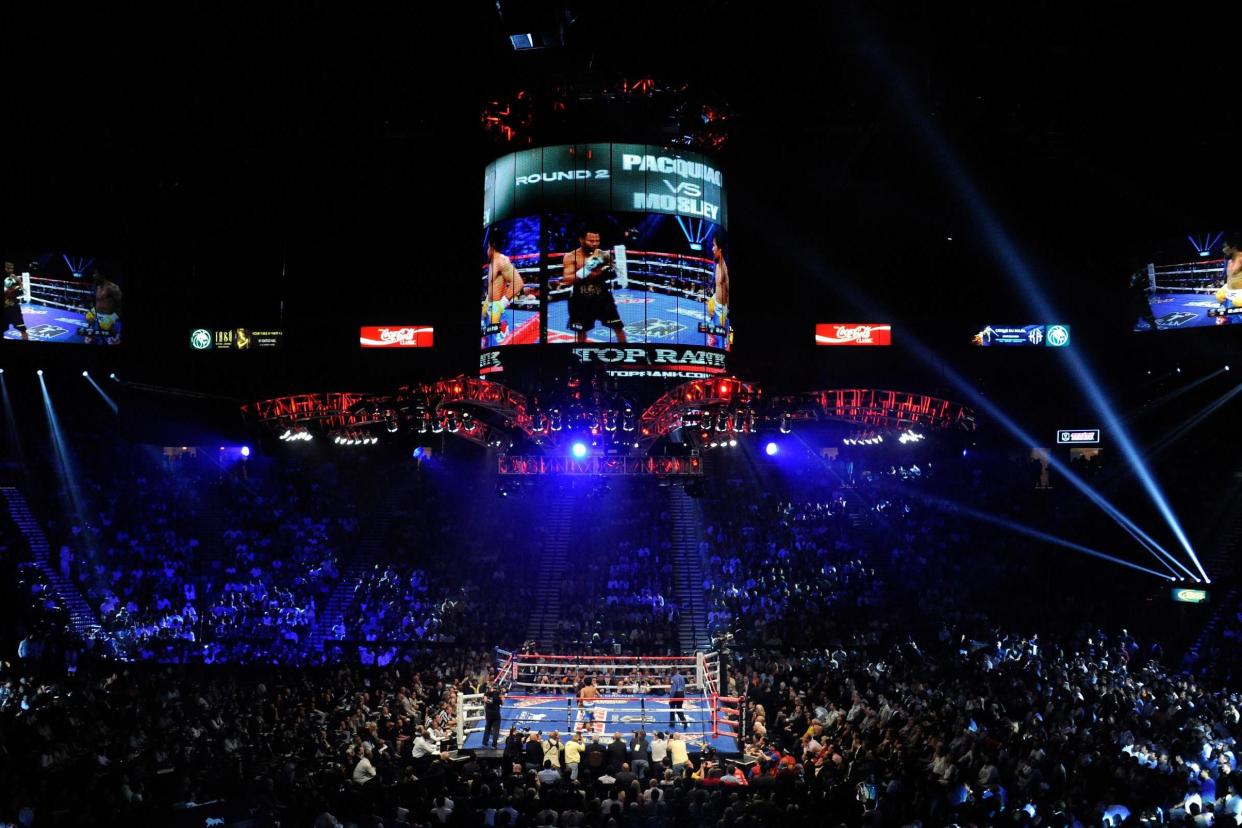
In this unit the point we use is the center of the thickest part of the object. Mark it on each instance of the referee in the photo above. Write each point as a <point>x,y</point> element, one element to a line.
<point>492,702</point>
<point>676,697</point>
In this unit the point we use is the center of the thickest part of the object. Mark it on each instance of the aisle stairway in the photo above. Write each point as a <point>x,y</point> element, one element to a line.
<point>85,622</point>
<point>545,619</point>
<point>687,517</point>
<point>353,566</point>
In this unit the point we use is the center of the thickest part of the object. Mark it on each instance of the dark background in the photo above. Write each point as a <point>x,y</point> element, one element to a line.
<point>319,167</point>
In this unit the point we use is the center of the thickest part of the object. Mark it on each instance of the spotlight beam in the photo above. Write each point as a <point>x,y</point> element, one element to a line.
<point>1172,395</point>
<point>111,403</point>
<point>64,460</point>
<point>1023,529</point>
<point>10,426</point>
<point>1186,427</point>
<point>1077,482</point>
<point>928,357</point>
<point>1015,265</point>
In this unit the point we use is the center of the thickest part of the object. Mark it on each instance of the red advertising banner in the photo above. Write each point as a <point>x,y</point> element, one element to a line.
<point>837,333</point>
<point>396,336</point>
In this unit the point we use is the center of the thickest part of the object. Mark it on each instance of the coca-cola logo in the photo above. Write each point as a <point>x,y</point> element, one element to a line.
<point>861,333</point>
<point>853,334</point>
<point>404,336</point>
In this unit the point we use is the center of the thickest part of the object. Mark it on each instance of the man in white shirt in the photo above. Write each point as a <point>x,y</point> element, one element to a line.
<point>443,810</point>
<point>423,747</point>
<point>364,771</point>
<point>659,749</point>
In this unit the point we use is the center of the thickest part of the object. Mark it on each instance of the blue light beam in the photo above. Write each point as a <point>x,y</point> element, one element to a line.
<point>1014,264</point>
<point>111,403</point>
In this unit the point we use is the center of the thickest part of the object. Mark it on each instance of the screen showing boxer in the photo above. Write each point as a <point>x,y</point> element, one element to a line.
<point>606,244</point>
<point>638,278</point>
<point>511,252</point>
<point>1191,285</point>
<point>61,299</point>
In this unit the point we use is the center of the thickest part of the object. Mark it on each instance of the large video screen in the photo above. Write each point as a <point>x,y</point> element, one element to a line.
<point>62,299</point>
<point>1197,285</point>
<point>605,243</point>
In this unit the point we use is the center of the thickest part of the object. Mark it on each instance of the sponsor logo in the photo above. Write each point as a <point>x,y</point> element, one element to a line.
<point>652,374</point>
<point>652,356</point>
<point>1025,335</point>
<point>1091,435</point>
<point>853,334</point>
<point>201,339</point>
<point>526,716</point>
<point>1058,336</point>
<point>408,336</point>
<point>1176,319</point>
<point>47,331</point>
<point>634,300</point>
<point>638,719</point>
<point>654,329</point>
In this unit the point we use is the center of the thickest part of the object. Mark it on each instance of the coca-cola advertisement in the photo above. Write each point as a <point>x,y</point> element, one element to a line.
<point>396,336</point>
<point>853,333</point>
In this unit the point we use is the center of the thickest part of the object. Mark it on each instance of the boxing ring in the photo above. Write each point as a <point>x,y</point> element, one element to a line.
<point>55,310</point>
<point>661,297</point>
<point>541,696</point>
<point>1187,295</point>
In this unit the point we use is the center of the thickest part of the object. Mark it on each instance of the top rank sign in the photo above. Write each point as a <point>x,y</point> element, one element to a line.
<point>1080,437</point>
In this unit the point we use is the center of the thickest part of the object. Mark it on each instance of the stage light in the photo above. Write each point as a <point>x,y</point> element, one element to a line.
<point>86,373</point>
<point>733,444</point>
<point>39,372</point>
<point>771,449</point>
<point>245,451</point>
<point>113,377</point>
<point>579,450</point>
<point>418,453</point>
